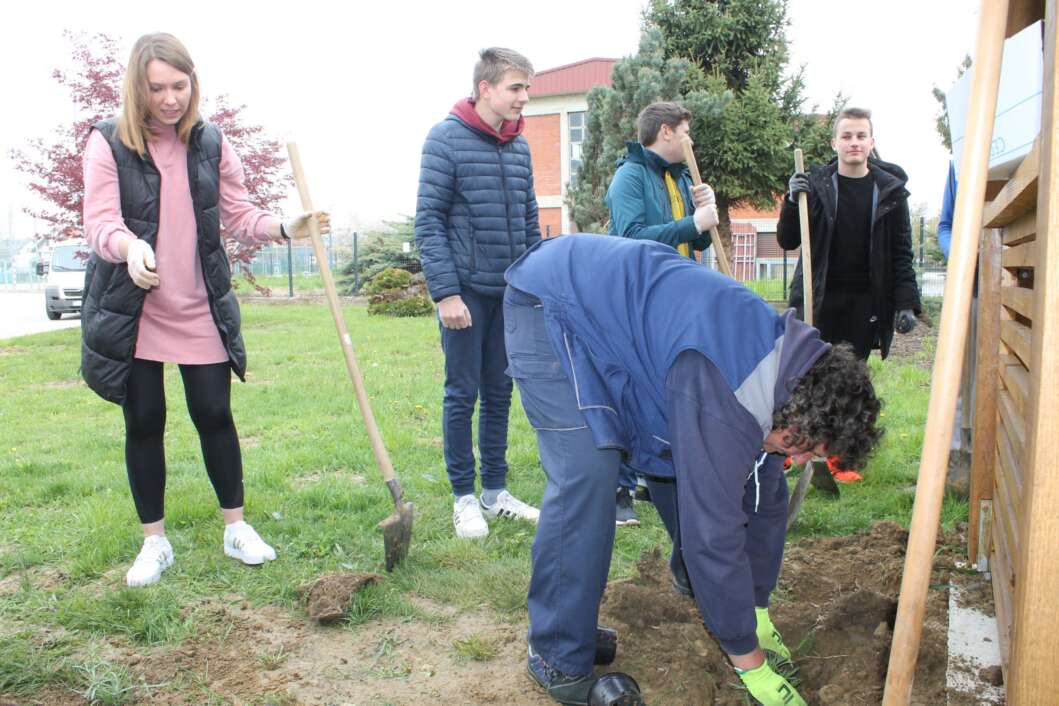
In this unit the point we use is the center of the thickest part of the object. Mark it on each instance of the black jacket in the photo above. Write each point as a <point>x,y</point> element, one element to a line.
<point>893,279</point>
<point>110,314</point>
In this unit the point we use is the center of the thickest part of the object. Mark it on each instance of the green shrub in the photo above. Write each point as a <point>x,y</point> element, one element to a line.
<point>415,305</point>
<point>389,279</point>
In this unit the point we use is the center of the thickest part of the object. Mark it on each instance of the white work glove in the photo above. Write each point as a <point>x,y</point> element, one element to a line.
<point>705,218</point>
<point>140,258</point>
<point>702,195</point>
<point>298,227</point>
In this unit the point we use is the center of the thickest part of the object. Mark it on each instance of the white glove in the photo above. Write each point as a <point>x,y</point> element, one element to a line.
<point>298,227</point>
<point>140,258</point>
<point>705,218</point>
<point>702,195</point>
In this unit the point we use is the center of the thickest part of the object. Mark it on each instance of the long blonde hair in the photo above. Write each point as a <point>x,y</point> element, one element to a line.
<point>132,122</point>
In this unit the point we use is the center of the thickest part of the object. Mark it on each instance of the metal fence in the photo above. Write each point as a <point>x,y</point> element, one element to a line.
<point>16,275</point>
<point>300,260</point>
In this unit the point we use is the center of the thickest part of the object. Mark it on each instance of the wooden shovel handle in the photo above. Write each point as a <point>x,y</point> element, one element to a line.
<point>807,257</point>
<point>715,237</point>
<point>377,446</point>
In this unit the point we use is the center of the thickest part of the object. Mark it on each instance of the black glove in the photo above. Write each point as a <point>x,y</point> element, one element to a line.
<point>799,184</point>
<point>905,322</point>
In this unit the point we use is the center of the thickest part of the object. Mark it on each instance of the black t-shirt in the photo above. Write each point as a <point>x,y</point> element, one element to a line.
<point>848,268</point>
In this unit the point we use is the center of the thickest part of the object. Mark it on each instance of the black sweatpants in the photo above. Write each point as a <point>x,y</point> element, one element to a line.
<point>207,389</point>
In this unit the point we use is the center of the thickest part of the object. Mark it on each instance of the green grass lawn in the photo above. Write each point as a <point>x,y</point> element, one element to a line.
<point>68,529</point>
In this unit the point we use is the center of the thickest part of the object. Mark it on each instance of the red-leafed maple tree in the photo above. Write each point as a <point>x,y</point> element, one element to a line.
<point>53,165</point>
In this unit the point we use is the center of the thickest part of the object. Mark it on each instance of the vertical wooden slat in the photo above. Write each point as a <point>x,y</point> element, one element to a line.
<point>945,379</point>
<point>1036,639</point>
<point>987,375</point>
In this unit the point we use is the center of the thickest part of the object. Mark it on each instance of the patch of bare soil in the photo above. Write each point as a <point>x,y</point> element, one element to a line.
<point>12,350</point>
<point>40,578</point>
<point>835,606</point>
<point>909,347</point>
<point>268,655</point>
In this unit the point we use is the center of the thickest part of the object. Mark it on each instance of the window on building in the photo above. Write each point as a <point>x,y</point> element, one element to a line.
<point>578,131</point>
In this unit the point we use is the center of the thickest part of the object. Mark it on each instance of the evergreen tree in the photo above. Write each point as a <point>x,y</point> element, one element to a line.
<point>380,250</point>
<point>726,62</point>
<point>741,45</point>
<point>637,82</point>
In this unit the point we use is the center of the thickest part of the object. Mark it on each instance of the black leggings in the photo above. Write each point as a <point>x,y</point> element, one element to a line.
<point>207,389</point>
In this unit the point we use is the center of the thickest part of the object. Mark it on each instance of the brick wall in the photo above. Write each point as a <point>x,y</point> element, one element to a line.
<point>550,217</point>
<point>542,133</point>
<point>767,247</point>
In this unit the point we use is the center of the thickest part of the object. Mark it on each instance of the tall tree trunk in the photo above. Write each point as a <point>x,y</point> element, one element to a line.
<point>725,226</point>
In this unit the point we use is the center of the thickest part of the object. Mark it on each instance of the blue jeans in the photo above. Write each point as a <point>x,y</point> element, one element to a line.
<point>575,533</point>
<point>475,362</point>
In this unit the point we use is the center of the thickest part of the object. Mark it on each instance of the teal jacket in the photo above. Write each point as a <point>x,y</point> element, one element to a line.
<point>639,202</point>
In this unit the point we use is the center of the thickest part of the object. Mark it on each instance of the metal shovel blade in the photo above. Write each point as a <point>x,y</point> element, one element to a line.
<point>397,528</point>
<point>824,481</point>
<point>794,506</point>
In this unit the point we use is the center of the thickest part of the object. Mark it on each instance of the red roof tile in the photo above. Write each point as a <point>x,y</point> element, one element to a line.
<point>578,77</point>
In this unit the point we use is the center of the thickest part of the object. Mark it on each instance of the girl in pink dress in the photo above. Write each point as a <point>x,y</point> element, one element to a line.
<point>159,183</point>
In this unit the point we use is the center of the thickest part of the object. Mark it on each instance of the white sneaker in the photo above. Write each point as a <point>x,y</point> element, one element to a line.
<point>467,517</point>
<point>507,505</point>
<point>243,543</point>
<point>155,557</point>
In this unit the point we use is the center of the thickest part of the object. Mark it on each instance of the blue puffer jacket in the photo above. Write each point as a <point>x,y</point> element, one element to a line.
<point>476,212</point>
<point>639,201</point>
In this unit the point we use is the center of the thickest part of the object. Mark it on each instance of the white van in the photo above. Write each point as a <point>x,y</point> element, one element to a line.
<point>65,271</point>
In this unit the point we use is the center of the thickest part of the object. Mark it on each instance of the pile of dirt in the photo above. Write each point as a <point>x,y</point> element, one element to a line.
<point>328,597</point>
<point>835,606</point>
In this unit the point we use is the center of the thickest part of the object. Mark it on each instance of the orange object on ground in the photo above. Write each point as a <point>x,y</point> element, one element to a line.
<point>842,475</point>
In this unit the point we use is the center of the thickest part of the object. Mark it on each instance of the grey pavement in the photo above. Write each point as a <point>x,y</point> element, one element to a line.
<point>22,313</point>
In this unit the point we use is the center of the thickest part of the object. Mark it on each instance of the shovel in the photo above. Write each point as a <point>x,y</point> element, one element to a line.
<point>822,479</point>
<point>397,528</point>
<point>819,476</point>
<point>715,236</point>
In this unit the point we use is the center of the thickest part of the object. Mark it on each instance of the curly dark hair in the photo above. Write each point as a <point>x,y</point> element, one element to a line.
<point>833,404</point>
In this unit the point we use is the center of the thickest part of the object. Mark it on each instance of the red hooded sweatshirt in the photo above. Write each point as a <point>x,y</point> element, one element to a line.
<point>464,110</point>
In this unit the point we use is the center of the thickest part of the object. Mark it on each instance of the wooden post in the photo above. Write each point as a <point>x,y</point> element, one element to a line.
<point>807,256</point>
<point>945,379</point>
<point>715,237</point>
<point>1036,638</point>
<point>987,376</point>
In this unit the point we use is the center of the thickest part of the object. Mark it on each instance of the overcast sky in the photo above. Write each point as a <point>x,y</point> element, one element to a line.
<point>360,84</point>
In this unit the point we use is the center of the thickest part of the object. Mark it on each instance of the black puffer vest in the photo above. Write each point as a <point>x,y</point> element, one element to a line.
<point>112,305</point>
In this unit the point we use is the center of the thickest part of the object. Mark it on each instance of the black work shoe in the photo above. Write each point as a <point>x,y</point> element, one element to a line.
<point>625,513</point>
<point>567,689</point>
<point>682,584</point>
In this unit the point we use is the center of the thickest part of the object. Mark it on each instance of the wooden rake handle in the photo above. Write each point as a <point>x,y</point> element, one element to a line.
<point>715,237</point>
<point>377,446</point>
<point>807,257</point>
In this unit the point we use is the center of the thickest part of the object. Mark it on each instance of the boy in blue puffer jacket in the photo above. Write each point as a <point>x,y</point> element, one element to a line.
<point>476,213</point>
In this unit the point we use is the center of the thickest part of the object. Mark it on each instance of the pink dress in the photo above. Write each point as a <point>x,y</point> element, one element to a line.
<point>176,325</point>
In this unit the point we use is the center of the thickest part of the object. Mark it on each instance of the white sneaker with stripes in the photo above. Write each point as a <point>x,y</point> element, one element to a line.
<point>155,556</point>
<point>467,518</point>
<point>507,505</point>
<point>242,542</point>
